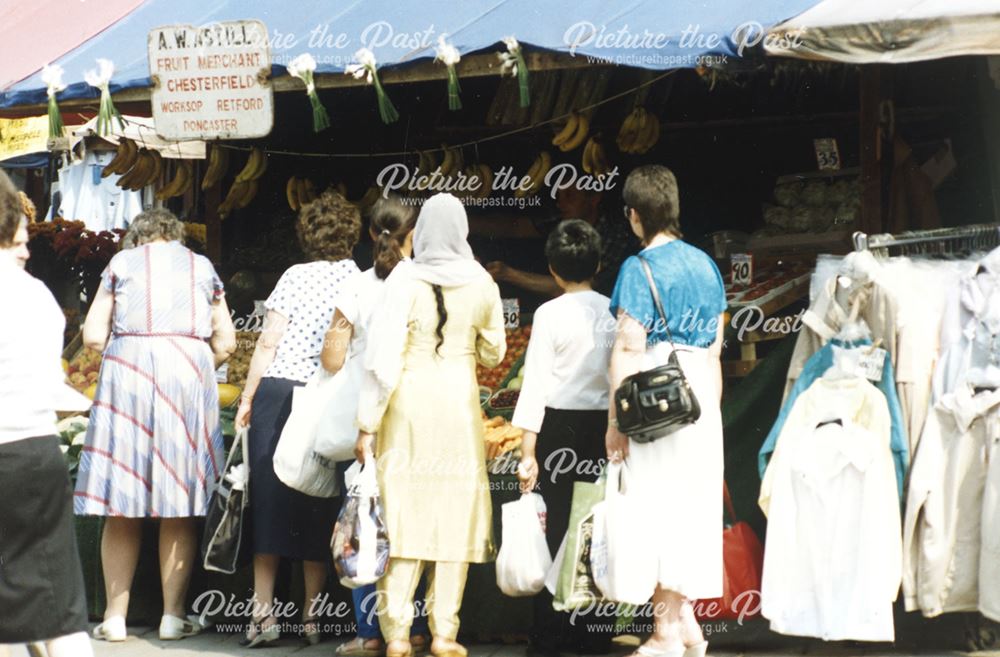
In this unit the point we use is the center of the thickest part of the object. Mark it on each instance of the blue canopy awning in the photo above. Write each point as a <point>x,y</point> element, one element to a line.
<point>651,34</point>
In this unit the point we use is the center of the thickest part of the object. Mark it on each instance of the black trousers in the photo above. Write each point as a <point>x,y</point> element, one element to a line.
<point>570,448</point>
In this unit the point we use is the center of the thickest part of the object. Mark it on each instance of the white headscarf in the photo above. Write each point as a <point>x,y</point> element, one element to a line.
<point>442,256</point>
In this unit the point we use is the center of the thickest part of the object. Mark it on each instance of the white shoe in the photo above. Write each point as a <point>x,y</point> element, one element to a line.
<point>173,628</point>
<point>112,629</point>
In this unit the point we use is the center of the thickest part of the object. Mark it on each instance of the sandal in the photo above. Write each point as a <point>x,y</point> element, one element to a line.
<point>646,651</point>
<point>408,652</point>
<point>453,650</point>
<point>173,628</point>
<point>262,636</point>
<point>356,648</point>
<point>310,631</point>
<point>112,629</point>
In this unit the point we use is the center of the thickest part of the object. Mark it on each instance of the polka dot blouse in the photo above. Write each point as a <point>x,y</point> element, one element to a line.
<point>306,295</point>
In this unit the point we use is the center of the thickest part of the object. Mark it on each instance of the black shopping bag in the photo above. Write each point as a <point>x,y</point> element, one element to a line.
<point>224,522</point>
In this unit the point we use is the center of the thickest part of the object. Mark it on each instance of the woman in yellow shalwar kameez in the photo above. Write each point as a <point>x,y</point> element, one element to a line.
<point>438,320</point>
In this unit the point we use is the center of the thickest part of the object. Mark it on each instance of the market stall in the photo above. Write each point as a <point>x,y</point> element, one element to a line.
<point>769,159</point>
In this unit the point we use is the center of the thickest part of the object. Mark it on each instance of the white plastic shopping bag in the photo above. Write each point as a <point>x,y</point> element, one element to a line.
<point>296,462</point>
<point>524,559</point>
<point>336,431</point>
<point>360,542</point>
<point>623,557</point>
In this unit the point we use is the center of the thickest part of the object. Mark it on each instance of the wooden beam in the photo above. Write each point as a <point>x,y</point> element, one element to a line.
<point>873,93</point>
<point>471,66</point>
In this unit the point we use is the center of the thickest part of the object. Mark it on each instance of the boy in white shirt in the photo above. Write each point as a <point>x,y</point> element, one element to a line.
<point>563,408</point>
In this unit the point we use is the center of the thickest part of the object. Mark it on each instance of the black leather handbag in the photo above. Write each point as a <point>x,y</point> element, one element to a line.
<point>657,402</point>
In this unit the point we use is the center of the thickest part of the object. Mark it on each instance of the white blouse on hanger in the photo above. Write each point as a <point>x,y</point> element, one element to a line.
<point>832,561</point>
<point>951,558</point>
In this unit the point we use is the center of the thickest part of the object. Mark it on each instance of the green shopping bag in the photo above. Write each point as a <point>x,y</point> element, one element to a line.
<point>575,587</point>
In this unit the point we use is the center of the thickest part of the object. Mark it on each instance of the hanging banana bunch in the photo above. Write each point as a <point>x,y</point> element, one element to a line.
<point>218,164</point>
<point>595,161</point>
<point>180,183</point>
<point>639,132</point>
<point>573,134</point>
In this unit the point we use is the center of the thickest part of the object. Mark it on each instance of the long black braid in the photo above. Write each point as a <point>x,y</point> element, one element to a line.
<point>442,317</point>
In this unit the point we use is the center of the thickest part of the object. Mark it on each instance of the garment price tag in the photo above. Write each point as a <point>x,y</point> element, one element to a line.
<point>871,363</point>
<point>222,374</point>
<point>741,268</point>
<point>511,313</point>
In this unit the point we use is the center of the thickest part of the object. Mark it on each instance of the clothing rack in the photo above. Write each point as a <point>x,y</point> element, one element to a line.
<point>977,237</point>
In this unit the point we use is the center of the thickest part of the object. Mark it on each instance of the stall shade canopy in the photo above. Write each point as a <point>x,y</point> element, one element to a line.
<point>38,32</point>
<point>889,31</point>
<point>649,34</point>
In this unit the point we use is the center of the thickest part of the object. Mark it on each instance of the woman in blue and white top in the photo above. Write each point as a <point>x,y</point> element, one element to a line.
<point>678,476</point>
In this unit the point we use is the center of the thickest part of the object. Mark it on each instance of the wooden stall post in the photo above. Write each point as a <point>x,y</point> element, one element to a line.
<point>875,94</point>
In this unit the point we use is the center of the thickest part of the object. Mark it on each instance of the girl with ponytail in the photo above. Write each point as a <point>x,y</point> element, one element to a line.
<point>391,229</point>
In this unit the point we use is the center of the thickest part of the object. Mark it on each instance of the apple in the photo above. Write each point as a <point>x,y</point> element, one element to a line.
<point>515,383</point>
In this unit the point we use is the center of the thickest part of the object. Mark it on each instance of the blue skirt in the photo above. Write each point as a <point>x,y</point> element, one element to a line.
<point>285,522</point>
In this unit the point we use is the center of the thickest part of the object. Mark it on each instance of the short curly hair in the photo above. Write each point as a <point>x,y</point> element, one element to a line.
<point>329,227</point>
<point>152,225</point>
<point>11,213</point>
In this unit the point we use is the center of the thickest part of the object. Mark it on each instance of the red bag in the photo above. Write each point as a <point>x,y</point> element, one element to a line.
<point>742,564</point>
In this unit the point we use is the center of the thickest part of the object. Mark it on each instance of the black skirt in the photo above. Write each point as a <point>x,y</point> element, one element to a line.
<point>285,522</point>
<point>41,582</point>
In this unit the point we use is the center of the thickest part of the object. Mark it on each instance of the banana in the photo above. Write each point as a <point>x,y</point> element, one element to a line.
<point>546,164</point>
<point>536,174</point>
<point>237,193</point>
<point>449,162</point>
<point>180,182</point>
<point>127,178</point>
<point>249,191</point>
<point>254,167</point>
<point>582,129</point>
<point>144,167</point>
<point>310,190</point>
<point>300,192</point>
<point>188,168</point>
<point>626,134</point>
<point>290,193</point>
<point>588,161</point>
<point>218,163</point>
<point>530,175</point>
<point>486,175</point>
<point>567,131</point>
<point>114,166</point>
<point>649,137</point>
<point>157,167</point>
<point>599,159</point>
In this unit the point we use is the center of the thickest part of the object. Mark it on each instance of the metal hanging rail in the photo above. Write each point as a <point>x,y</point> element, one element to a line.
<point>937,240</point>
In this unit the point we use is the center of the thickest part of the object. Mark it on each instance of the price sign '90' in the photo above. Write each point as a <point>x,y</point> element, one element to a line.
<point>741,268</point>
